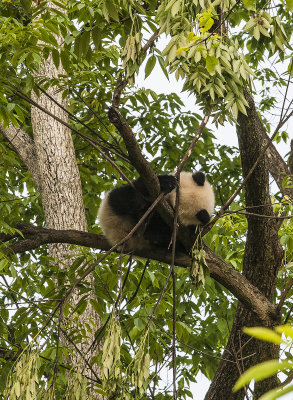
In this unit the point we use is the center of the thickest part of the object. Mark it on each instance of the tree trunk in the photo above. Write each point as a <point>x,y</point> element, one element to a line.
<point>263,255</point>
<point>50,157</point>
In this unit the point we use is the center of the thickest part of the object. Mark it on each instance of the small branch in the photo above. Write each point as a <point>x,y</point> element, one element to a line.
<point>277,217</point>
<point>151,41</point>
<point>139,283</point>
<point>284,295</point>
<point>192,144</point>
<point>286,92</point>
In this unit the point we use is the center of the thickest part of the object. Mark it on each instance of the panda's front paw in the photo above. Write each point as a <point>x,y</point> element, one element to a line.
<point>203,216</point>
<point>167,183</point>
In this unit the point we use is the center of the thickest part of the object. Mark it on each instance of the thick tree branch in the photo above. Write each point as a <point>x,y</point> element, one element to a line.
<point>25,148</point>
<point>245,291</point>
<point>137,159</point>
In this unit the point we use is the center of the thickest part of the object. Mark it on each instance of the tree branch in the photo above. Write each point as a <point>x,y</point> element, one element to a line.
<point>25,148</point>
<point>242,289</point>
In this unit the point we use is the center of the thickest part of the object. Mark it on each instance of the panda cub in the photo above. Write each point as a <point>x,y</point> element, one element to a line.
<point>123,207</point>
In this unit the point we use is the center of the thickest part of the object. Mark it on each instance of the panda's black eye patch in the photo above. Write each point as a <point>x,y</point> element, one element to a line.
<point>199,178</point>
<point>203,216</point>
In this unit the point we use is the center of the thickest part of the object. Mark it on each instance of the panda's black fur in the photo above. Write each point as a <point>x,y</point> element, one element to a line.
<point>123,207</point>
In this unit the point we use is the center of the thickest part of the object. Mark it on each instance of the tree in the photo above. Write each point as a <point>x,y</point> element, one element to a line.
<point>68,67</point>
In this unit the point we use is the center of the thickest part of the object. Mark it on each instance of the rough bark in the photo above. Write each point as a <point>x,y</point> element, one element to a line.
<point>262,259</point>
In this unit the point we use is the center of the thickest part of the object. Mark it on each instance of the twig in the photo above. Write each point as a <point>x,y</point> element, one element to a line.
<point>151,40</point>
<point>139,283</point>
<point>257,215</point>
<point>286,92</point>
<point>192,144</point>
<point>284,295</point>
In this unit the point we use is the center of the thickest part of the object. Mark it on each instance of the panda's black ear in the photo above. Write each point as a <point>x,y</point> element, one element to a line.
<point>199,178</point>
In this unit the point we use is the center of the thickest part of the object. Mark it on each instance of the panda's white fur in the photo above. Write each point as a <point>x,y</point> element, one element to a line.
<point>192,199</point>
<point>116,227</point>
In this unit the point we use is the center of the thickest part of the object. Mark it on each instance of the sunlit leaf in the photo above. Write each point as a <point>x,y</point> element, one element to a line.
<point>264,334</point>
<point>249,4</point>
<point>261,371</point>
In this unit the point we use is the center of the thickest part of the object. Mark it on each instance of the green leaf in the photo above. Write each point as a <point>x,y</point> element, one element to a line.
<point>176,7</point>
<point>263,31</point>
<point>286,329</point>
<point>112,10</point>
<point>264,334</point>
<point>26,4</point>
<point>262,371</point>
<point>211,62</point>
<point>235,110</point>
<point>97,37</point>
<point>289,5</point>
<point>241,107</point>
<point>3,263</point>
<point>56,58</point>
<point>256,33</point>
<point>250,24</point>
<point>249,4</point>
<point>209,23</point>
<point>65,60</point>
<point>84,43</point>
<point>197,56</point>
<point>150,65</point>
<point>276,393</point>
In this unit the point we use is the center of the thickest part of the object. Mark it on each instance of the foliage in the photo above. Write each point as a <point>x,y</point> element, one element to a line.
<point>23,383</point>
<point>216,54</point>
<point>269,368</point>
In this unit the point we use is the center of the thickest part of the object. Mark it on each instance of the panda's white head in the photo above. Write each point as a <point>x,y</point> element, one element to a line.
<point>195,194</point>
